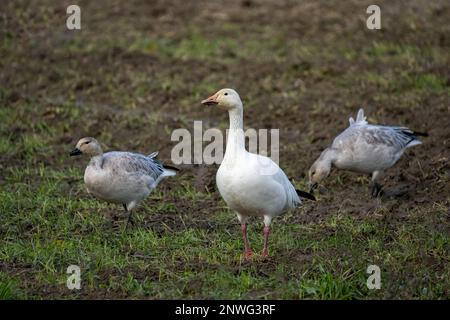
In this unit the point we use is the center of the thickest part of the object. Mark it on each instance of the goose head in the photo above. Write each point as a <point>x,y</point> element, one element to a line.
<point>225,98</point>
<point>319,171</point>
<point>88,146</point>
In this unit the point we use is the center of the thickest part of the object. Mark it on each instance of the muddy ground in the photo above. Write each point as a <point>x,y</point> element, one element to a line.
<point>137,70</point>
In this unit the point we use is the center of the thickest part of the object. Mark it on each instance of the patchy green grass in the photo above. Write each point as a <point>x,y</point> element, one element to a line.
<point>47,225</point>
<point>130,85</point>
<point>9,288</point>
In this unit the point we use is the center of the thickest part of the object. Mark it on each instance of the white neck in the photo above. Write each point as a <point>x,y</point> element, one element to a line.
<point>329,155</point>
<point>96,161</point>
<point>236,139</point>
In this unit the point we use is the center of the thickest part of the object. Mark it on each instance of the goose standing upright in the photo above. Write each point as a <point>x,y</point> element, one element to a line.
<point>364,148</point>
<point>250,184</point>
<point>121,177</point>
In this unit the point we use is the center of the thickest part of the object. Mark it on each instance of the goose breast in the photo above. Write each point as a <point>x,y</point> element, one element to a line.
<point>246,190</point>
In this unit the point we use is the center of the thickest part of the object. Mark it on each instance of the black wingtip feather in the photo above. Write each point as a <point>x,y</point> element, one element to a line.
<point>171,168</point>
<point>411,133</point>
<point>306,195</point>
<point>423,134</point>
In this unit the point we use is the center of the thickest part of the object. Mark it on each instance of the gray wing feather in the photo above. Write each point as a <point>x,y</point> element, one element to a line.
<point>153,154</point>
<point>396,137</point>
<point>360,118</point>
<point>133,163</point>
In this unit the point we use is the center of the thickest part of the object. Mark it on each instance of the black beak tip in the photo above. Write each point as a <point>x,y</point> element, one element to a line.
<point>75,152</point>
<point>312,188</point>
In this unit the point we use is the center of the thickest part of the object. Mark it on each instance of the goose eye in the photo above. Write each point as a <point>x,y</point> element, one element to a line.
<point>87,142</point>
<point>225,94</point>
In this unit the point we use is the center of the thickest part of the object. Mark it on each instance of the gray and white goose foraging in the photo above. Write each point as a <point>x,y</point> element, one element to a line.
<point>250,184</point>
<point>364,148</point>
<point>120,177</point>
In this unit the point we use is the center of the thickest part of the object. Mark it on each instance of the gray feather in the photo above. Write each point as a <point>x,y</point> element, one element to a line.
<point>132,163</point>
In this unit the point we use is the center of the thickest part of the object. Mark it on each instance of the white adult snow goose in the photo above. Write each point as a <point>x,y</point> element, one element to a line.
<point>250,184</point>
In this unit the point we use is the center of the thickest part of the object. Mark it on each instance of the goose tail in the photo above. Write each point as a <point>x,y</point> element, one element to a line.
<point>170,170</point>
<point>412,136</point>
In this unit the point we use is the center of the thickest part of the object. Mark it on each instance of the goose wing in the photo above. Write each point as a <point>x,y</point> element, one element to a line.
<point>394,137</point>
<point>132,163</point>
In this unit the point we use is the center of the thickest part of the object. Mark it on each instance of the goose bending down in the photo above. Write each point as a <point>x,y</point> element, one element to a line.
<point>250,184</point>
<point>364,148</point>
<point>120,177</point>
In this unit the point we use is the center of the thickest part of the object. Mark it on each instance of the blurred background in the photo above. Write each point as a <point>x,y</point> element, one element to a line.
<point>138,69</point>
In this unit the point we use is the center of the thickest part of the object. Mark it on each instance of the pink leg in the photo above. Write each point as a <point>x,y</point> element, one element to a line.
<point>248,253</point>
<point>265,252</point>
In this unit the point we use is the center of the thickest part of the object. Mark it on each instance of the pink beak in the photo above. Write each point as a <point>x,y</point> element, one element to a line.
<point>211,100</point>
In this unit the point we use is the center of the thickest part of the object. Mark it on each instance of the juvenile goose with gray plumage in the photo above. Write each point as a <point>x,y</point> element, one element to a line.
<point>364,148</point>
<point>121,177</point>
